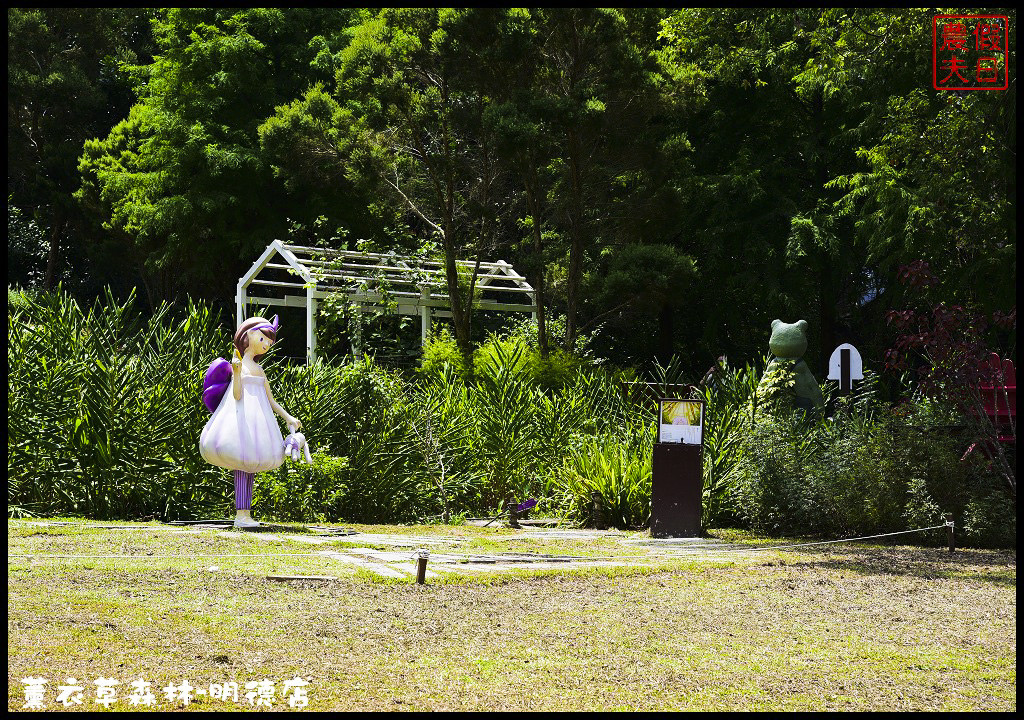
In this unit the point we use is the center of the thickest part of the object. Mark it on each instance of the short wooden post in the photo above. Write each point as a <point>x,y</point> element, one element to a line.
<point>513,514</point>
<point>950,536</point>
<point>596,518</point>
<point>421,566</point>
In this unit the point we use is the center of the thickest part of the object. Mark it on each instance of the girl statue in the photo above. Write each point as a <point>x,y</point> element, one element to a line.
<point>243,434</point>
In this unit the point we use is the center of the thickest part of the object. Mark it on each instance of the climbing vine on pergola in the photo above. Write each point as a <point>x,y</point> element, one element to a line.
<point>300,276</point>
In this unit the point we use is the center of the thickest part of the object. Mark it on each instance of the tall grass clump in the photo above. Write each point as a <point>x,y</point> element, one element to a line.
<point>614,472</point>
<point>356,417</point>
<point>101,415</point>
<point>518,424</point>
<point>444,442</point>
<point>729,397</point>
<point>605,456</point>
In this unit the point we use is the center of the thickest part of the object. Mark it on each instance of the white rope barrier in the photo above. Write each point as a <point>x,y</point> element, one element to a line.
<point>517,557</point>
<point>144,557</point>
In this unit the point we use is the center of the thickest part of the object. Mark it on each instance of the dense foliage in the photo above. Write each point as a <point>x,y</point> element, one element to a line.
<point>104,416</point>
<point>98,418</point>
<point>672,179</point>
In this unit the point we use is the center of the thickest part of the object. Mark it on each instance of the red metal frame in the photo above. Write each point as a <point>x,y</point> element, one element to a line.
<point>1001,400</point>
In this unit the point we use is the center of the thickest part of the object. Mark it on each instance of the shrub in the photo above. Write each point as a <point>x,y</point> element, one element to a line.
<point>358,412</point>
<point>440,352</point>
<point>865,471</point>
<point>618,471</point>
<point>557,370</point>
<point>444,442</point>
<point>103,409</point>
<point>990,517</point>
<point>504,403</point>
<point>728,398</point>
<point>300,492</point>
<point>768,492</point>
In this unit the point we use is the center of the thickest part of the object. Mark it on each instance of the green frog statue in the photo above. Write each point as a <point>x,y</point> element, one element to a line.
<point>788,344</point>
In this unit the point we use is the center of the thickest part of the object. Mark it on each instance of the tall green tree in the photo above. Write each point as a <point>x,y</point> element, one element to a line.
<point>599,86</point>
<point>835,175</point>
<point>424,133</point>
<point>726,166</point>
<point>578,114</point>
<point>407,109</point>
<point>64,85</point>
<point>183,180</point>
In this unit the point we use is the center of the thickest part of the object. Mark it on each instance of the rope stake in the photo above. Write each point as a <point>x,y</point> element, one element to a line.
<point>421,566</point>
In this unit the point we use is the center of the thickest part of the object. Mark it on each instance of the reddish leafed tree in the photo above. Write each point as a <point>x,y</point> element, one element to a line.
<point>949,350</point>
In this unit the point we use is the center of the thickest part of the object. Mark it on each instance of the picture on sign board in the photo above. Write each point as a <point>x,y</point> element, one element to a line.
<point>680,421</point>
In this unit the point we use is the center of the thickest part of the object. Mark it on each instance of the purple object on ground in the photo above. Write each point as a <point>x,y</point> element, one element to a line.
<point>526,505</point>
<point>215,384</point>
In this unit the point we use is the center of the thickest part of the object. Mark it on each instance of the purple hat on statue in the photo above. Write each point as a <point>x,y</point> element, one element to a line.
<point>272,326</point>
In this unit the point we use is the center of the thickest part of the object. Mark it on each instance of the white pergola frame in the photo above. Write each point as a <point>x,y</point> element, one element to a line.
<point>415,286</point>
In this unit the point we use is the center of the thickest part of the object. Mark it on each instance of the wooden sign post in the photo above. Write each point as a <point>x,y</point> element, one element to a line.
<point>677,477</point>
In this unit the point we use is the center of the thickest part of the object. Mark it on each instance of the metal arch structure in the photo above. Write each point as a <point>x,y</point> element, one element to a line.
<point>301,276</point>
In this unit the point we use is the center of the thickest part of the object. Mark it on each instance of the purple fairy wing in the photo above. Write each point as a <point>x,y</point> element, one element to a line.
<point>215,384</point>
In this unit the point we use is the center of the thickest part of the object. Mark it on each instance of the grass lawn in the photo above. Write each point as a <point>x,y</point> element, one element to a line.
<point>842,627</point>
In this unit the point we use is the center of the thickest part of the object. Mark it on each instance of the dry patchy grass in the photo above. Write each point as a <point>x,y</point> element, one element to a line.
<point>859,628</point>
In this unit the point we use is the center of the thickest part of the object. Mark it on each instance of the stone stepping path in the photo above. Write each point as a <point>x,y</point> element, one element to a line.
<point>312,539</point>
<point>400,563</point>
<point>413,541</point>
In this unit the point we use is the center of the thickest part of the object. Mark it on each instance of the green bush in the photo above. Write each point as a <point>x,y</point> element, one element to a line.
<point>728,398</point>
<point>299,492</point>
<point>360,412</point>
<point>768,491</point>
<point>443,442</point>
<point>555,371</point>
<point>520,415</point>
<point>990,517</point>
<point>866,470</point>
<point>441,352</point>
<point>618,472</point>
<point>103,409</point>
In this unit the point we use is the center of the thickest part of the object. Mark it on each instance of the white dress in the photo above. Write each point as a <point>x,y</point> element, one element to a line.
<point>244,434</point>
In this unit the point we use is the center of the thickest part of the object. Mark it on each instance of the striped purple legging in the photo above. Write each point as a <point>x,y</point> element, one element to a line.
<point>243,490</point>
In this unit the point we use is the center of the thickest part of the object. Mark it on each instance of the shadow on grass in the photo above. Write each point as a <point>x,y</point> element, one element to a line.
<point>998,567</point>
